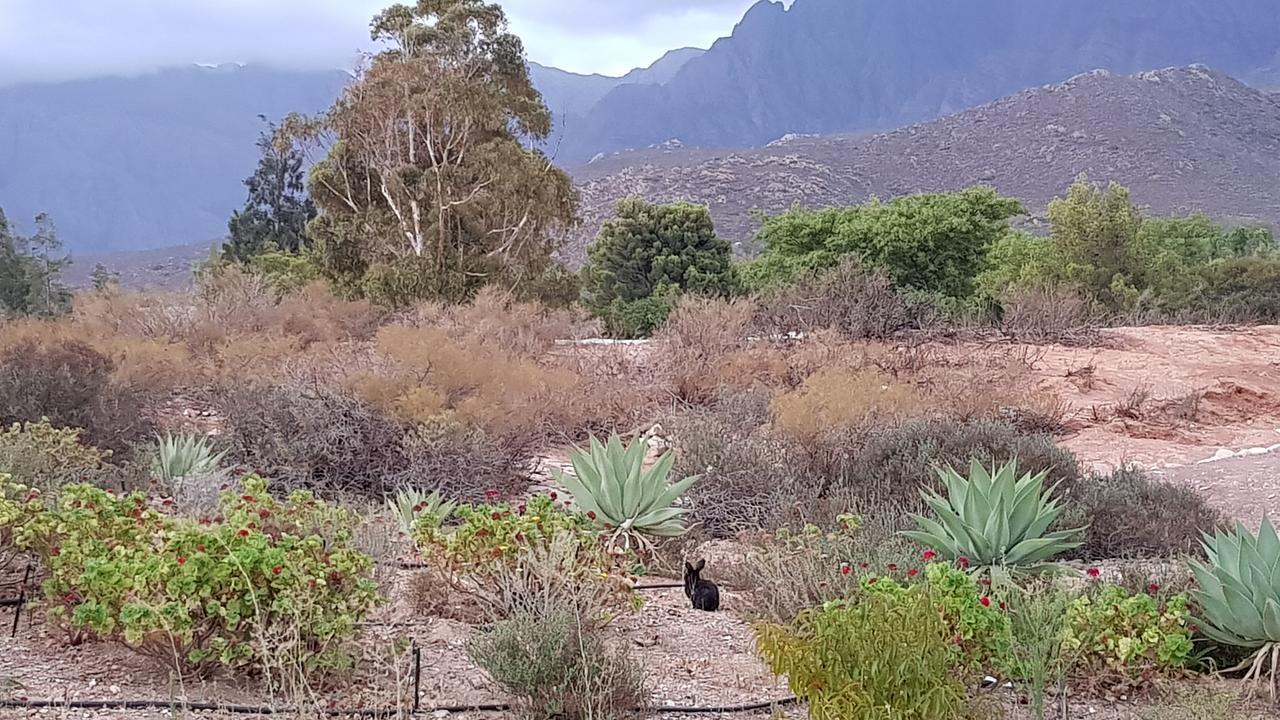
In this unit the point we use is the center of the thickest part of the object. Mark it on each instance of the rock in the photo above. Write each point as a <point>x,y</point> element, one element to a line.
<point>1222,454</point>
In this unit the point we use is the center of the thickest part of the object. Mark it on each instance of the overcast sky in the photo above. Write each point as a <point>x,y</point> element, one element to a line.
<point>62,39</point>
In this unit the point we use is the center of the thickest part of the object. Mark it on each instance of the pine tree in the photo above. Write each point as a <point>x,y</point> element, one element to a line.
<point>46,294</point>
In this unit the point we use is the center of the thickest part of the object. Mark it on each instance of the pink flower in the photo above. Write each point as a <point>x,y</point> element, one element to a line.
<point>845,569</point>
<point>1093,572</point>
<point>893,567</point>
<point>962,562</point>
<point>591,514</point>
<point>912,572</point>
<point>930,555</point>
<point>490,494</point>
<point>277,570</point>
<point>1153,588</point>
<point>986,601</point>
<point>182,560</point>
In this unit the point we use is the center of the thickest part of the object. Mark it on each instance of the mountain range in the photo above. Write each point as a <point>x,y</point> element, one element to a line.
<point>157,160</point>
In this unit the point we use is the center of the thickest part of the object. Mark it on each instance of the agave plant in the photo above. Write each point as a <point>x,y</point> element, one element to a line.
<point>409,505</point>
<point>184,455</point>
<point>994,519</point>
<point>610,484</point>
<point>1238,593</point>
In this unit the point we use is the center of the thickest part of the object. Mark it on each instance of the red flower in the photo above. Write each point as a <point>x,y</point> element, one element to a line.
<point>496,515</point>
<point>1192,627</point>
<point>553,496</point>
<point>1093,572</point>
<point>247,498</point>
<point>497,552</point>
<point>986,601</point>
<point>893,567</point>
<point>182,560</point>
<point>519,537</point>
<point>200,548</point>
<point>864,566</point>
<point>521,508</point>
<point>264,514</point>
<point>243,533</point>
<point>962,562</point>
<point>912,572</point>
<point>591,514</point>
<point>252,526</point>
<point>204,521</point>
<point>845,569</point>
<point>311,583</point>
<point>167,502</point>
<point>490,494</point>
<point>56,551</point>
<point>1003,606</point>
<point>872,581</point>
<point>929,555</point>
<point>1153,588</point>
<point>277,570</point>
<point>419,507</point>
<point>957,640</point>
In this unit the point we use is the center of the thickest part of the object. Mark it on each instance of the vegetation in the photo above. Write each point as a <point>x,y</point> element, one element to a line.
<point>277,210</point>
<point>30,271</point>
<point>645,256</point>
<point>994,519</point>
<point>1125,640</point>
<point>612,486</point>
<point>427,190</point>
<point>182,456</point>
<point>1238,592</point>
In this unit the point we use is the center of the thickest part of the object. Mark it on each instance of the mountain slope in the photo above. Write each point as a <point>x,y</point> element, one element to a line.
<point>1184,139</point>
<point>127,163</point>
<point>828,66</point>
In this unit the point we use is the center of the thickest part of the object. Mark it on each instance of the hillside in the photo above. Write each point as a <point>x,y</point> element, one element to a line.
<point>1183,139</point>
<point>827,66</point>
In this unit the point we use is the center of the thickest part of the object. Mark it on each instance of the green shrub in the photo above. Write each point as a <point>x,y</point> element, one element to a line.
<point>1117,639</point>
<point>976,623</point>
<point>994,519</point>
<point>266,582</point>
<point>934,243</point>
<point>476,555</point>
<point>38,455</point>
<point>638,318</point>
<point>184,455</point>
<point>874,657</point>
<point>557,665</point>
<point>408,506</point>
<point>1038,617</point>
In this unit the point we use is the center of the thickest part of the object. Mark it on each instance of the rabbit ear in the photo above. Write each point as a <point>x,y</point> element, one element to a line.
<point>688,568</point>
<point>701,564</point>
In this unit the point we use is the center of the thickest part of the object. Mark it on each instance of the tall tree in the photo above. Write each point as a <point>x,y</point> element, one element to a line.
<point>47,295</point>
<point>277,210</point>
<point>428,187</point>
<point>14,287</point>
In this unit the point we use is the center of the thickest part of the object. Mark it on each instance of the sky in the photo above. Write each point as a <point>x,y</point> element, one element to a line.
<point>70,39</point>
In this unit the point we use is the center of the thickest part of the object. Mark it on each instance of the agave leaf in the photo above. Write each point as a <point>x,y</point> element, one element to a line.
<point>675,490</point>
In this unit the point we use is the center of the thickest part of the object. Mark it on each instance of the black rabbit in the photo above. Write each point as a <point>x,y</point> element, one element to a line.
<point>704,593</point>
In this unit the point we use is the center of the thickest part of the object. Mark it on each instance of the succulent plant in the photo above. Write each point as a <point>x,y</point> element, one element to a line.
<point>994,519</point>
<point>1238,594</point>
<point>409,505</point>
<point>612,486</point>
<point>180,456</point>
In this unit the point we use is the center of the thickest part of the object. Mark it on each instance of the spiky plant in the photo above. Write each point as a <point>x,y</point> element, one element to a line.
<point>610,484</point>
<point>180,456</point>
<point>1238,593</point>
<point>409,505</point>
<point>996,519</point>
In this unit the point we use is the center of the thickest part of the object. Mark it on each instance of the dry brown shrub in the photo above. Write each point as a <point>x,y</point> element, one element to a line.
<point>693,342</point>
<point>235,300</point>
<point>155,316</point>
<point>1050,314</point>
<point>315,315</point>
<point>839,398</point>
<point>493,321</point>
<point>848,299</point>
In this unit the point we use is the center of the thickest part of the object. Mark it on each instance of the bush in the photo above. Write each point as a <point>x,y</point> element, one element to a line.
<point>695,341</point>
<point>852,660</point>
<point>857,303</point>
<point>476,556</point>
<point>311,437</point>
<point>1133,515</point>
<point>263,583</point>
<point>1049,314</point>
<point>1120,640</point>
<point>70,384</point>
<point>46,458</point>
<point>465,462</point>
<point>637,318</point>
<point>558,666</point>
<point>838,399</point>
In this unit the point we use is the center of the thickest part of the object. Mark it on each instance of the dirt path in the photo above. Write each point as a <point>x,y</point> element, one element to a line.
<point>1247,487</point>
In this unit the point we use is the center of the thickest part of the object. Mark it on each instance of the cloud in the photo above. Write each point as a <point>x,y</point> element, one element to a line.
<point>64,39</point>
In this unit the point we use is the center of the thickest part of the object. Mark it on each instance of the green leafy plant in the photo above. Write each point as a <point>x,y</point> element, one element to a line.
<point>180,456</point>
<point>410,504</point>
<point>994,519</point>
<point>262,581</point>
<point>1125,640</point>
<point>39,455</point>
<point>977,627</point>
<point>611,485</point>
<point>1238,593</point>
<point>476,555</point>
<point>868,658</point>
